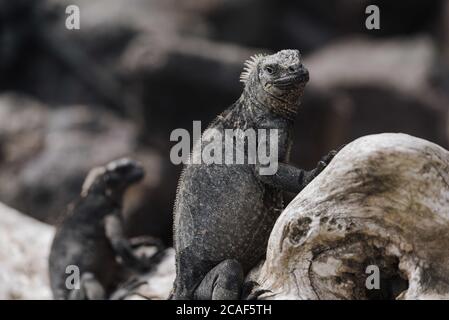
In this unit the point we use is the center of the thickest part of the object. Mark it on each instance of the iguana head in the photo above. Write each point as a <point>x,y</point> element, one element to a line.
<point>277,80</point>
<point>113,179</point>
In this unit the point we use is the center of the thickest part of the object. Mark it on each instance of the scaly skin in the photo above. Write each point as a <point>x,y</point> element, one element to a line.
<point>91,236</point>
<point>224,214</point>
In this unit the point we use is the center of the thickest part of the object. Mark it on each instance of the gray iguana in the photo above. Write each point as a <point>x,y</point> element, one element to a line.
<point>223,213</point>
<point>91,236</point>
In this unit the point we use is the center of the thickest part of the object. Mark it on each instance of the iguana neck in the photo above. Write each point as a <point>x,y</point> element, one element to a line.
<point>114,199</point>
<point>262,100</point>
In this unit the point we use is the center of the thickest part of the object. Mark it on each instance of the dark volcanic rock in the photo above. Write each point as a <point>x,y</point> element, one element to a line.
<point>46,153</point>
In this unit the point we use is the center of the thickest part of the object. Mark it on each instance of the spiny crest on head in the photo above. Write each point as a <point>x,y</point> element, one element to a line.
<point>113,165</point>
<point>249,66</point>
<point>90,179</point>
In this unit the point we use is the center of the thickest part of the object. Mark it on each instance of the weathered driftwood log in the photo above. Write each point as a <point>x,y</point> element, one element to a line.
<point>383,201</point>
<point>24,248</point>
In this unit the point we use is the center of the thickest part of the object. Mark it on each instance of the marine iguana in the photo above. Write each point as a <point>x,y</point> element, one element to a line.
<point>91,236</point>
<point>223,214</point>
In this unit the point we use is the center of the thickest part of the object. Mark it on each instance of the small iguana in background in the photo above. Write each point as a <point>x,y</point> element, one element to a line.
<point>91,236</point>
<point>223,213</point>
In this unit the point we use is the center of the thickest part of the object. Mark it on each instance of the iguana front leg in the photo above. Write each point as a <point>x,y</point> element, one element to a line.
<point>123,247</point>
<point>90,289</point>
<point>292,179</point>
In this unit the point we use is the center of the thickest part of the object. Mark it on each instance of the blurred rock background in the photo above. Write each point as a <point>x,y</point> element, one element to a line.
<point>136,70</point>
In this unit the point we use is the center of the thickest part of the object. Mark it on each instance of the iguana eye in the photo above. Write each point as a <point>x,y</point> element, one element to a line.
<point>269,69</point>
<point>123,169</point>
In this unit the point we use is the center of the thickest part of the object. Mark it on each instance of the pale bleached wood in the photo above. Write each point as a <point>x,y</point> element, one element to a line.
<point>384,199</point>
<point>24,248</point>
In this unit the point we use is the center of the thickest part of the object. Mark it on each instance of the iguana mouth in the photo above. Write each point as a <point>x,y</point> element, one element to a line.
<point>291,81</point>
<point>137,175</point>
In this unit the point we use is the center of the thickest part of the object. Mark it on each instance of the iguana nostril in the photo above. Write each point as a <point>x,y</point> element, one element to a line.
<point>304,73</point>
